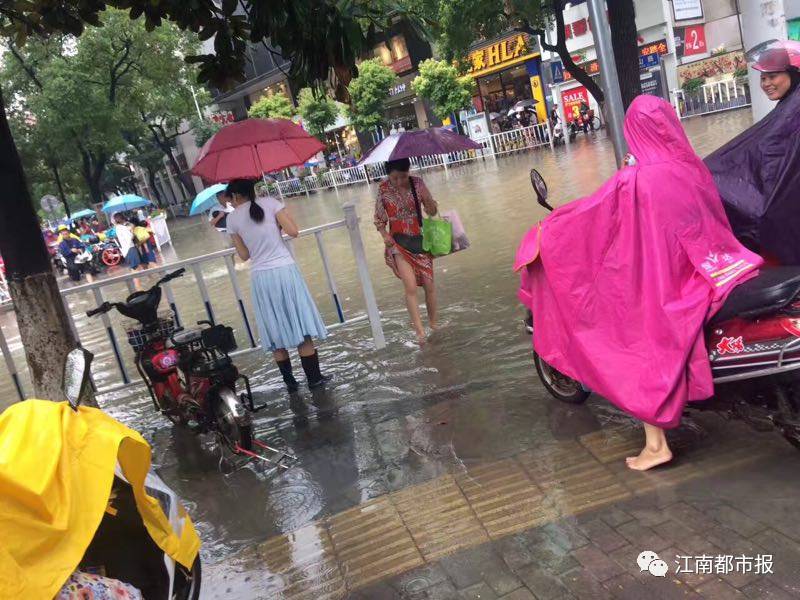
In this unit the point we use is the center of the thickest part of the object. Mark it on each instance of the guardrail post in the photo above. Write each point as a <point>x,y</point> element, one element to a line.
<point>12,368</point>
<point>172,304</point>
<point>329,276</point>
<point>201,283</point>
<point>98,296</point>
<point>357,245</point>
<point>237,291</point>
<point>550,134</point>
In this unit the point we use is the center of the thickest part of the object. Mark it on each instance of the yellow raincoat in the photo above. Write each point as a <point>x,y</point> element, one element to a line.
<point>56,471</point>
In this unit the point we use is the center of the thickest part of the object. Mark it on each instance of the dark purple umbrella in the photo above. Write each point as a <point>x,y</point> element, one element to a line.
<point>436,140</point>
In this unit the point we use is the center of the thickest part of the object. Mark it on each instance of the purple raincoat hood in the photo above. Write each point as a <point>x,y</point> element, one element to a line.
<point>758,177</point>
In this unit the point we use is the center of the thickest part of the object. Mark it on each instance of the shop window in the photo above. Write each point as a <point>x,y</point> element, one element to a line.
<point>382,51</point>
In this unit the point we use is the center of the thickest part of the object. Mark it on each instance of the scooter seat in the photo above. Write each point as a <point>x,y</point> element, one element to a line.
<point>774,288</point>
<point>187,337</point>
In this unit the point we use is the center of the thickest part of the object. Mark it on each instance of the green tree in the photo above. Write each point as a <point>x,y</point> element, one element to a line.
<point>457,24</point>
<point>317,110</point>
<point>368,94</point>
<point>440,83</point>
<point>318,37</point>
<point>203,129</point>
<point>272,106</point>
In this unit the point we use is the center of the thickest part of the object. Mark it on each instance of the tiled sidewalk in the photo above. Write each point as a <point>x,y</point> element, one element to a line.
<point>565,521</point>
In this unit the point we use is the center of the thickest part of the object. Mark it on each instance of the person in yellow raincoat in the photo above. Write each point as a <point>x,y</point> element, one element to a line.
<point>57,468</point>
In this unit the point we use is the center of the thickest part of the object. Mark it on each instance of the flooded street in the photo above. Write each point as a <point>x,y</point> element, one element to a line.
<point>419,468</point>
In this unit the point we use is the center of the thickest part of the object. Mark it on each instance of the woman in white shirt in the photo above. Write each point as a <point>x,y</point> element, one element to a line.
<point>286,314</point>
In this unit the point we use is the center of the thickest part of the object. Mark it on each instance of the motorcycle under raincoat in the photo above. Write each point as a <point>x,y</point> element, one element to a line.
<point>758,177</point>
<point>621,282</point>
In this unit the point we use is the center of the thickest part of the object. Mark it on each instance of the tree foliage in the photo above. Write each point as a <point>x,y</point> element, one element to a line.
<point>272,106</point>
<point>317,110</point>
<point>204,129</point>
<point>440,83</point>
<point>368,94</point>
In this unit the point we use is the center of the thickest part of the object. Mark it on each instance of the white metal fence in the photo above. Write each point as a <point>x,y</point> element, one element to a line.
<point>515,140</point>
<point>212,260</point>
<point>713,97</point>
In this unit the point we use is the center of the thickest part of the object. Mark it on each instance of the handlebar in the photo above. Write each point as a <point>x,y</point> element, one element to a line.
<point>107,306</point>
<point>170,276</point>
<point>103,308</point>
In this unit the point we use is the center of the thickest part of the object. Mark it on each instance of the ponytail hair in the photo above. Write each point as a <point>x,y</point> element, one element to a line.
<point>247,188</point>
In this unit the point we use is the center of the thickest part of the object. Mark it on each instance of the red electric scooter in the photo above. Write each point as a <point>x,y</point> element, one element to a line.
<point>753,342</point>
<point>189,373</point>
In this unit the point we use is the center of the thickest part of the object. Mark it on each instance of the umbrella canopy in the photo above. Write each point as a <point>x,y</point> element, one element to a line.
<point>86,212</point>
<point>250,148</point>
<point>436,140</point>
<point>206,199</point>
<point>124,202</point>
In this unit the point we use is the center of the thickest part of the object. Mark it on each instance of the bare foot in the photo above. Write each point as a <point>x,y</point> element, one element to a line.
<point>421,338</point>
<point>433,325</point>
<point>647,459</point>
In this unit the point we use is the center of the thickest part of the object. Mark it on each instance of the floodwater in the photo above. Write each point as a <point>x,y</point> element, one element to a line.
<point>395,417</point>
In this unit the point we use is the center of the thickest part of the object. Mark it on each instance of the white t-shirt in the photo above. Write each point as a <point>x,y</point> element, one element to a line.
<point>124,238</point>
<point>263,240</point>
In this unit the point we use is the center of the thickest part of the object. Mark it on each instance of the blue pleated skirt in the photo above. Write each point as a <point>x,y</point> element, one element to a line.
<point>285,311</point>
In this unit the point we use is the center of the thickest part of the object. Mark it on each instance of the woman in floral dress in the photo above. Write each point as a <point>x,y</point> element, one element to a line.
<point>401,199</point>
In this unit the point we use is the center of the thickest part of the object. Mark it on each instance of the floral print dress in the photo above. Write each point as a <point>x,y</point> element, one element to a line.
<point>397,208</point>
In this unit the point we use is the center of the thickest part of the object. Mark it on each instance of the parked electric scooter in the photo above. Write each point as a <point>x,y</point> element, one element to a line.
<point>78,501</point>
<point>753,342</point>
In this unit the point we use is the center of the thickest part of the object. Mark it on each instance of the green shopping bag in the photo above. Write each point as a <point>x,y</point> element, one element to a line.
<point>437,236</point>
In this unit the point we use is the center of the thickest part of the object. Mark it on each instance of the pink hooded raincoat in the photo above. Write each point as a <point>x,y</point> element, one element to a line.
<point>621,282</point>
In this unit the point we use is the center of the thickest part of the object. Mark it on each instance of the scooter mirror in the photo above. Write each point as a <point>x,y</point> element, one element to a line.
<point>76,375</point>
<point>540,187</point>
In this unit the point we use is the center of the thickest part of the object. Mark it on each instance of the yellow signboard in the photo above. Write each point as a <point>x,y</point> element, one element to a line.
<point>494,57</point>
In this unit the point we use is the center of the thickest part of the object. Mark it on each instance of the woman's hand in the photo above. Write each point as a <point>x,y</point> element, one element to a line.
<point>387,239</point>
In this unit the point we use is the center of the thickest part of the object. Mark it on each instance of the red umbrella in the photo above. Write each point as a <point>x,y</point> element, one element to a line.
<point>250,148</point>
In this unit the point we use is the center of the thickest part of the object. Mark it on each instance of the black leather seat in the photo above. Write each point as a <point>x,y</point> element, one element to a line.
<point>187,337</point>
<point>773,289</point>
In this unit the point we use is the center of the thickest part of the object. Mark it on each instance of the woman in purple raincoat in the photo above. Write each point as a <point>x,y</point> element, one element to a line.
<point>758,172</point>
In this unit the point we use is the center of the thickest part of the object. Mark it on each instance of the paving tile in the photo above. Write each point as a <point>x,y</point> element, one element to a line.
<point>440,591</point>
<point>689,516</point>
<point>673,532</point>
<point>520,594</point>
<point>470,567</point>
<point>479,591</point>
<point>418,579</point>
<point>566,534</point>
<point>764,589</point>
<point>642,537</point>
<point>736,520</point>
<point>649,517</point>
<point>544,585</point>
<point>626,587</point>
<point>502,581</point>
<point>717,589</point>
<point>602,535</point>
<point>598,563</point>
<point>611,444</point>
<point>615,517</point>
<point>583,584</point>
<point>376,591</point>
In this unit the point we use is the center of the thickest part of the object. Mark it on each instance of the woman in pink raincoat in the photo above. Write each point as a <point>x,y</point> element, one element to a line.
<point>621,282</point>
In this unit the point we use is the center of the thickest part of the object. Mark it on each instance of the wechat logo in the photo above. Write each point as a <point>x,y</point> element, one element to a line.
<point>649,561</point>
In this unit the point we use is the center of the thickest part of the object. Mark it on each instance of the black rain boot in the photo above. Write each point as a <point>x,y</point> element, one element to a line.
<point>288,378</point>
<point>313,375</point>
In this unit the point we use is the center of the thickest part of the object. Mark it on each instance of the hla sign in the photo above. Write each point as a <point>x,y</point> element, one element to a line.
<point>494,57</point>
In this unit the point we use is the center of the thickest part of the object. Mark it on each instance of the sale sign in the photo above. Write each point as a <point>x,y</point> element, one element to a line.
<point>571,102</point>
<point>692,40</point>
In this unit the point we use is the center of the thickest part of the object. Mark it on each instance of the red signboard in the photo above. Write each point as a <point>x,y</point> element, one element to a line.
<point>571,101</point>
<point>593,67</point>
<point>694,40</point>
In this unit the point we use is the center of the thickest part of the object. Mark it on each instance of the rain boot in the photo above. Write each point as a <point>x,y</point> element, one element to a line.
<point>288,378</point>
<point>311,367</point>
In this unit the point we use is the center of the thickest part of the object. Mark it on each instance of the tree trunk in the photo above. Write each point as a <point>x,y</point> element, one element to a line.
<point>624,36</point>
<point>166,148</point>
<point>151,179</point>
<point>60,186</point>
<point>44,327</point>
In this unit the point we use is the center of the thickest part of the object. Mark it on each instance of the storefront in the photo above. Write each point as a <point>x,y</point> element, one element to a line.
<point>404,111</point>
<point>507,71</point>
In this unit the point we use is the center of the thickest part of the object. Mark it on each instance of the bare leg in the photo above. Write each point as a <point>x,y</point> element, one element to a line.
<point>280,354</point>
<point>430,302</point>
<point>306,348</point>
<point>410,288</point>
<point>655,452</point>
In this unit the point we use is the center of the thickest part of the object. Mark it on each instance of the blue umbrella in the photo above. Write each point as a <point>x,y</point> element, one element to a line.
<point>207,198</point>
<point>124,202</point>
<point>86,212</point>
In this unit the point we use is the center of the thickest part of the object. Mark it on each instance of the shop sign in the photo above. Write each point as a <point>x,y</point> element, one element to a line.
<point>687,9</point>
<point>400,88</point>
<point>690,40</point>
<point>506,52</point>
<point>653,49</point>
<point>571,101</point>
<point>712,68</point>
<point>222,118</point>
<point>651,83</point>
<point>576,28</point>
<point>649,61</point>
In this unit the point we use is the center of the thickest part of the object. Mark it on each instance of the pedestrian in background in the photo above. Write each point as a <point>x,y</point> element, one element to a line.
<point>401,198</point>
<point>286,314</point>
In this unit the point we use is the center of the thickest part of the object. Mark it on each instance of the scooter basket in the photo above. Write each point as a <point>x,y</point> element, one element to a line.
<point>219,337</point>
<point>139,336</point>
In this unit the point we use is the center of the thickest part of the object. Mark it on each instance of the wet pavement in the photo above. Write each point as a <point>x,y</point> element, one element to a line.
<point>447,471</point>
